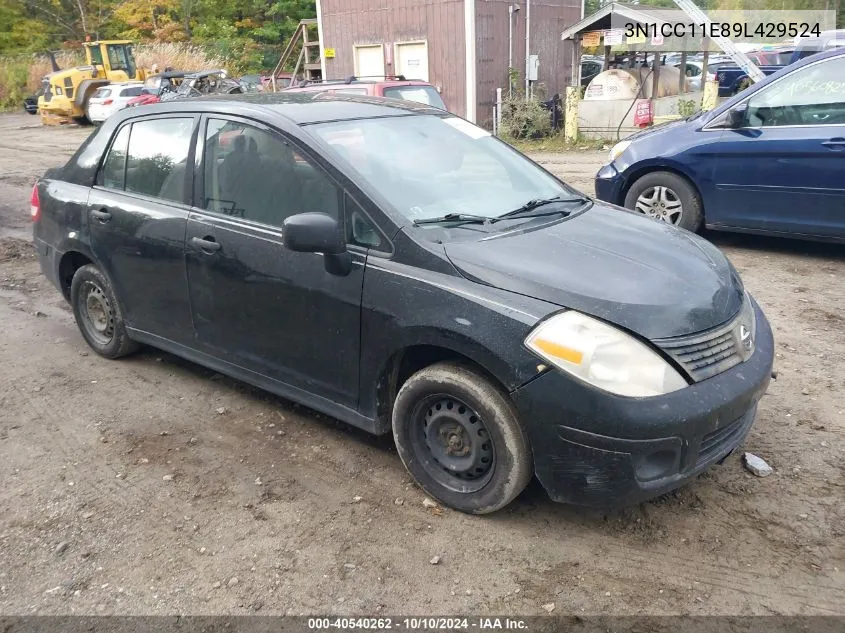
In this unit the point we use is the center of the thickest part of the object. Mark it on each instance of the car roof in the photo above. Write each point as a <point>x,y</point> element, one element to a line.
<point>299,108</point>
<point>123,84</point>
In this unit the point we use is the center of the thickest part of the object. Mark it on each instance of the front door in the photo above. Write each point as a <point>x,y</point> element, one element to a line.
<point>255,303</point>
<point>783,169</point>
<point>137,214</point>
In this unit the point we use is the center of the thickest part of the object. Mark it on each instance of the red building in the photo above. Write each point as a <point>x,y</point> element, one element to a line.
<point>464,47</point>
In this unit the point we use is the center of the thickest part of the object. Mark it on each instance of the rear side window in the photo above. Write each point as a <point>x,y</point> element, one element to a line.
<point>157,157</point>
<point>134,91</point>
<point>102,93</point>
<point>421,94</point>
<point>114,167</point>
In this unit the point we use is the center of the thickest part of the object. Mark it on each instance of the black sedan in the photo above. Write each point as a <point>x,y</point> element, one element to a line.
<point>396,267</point>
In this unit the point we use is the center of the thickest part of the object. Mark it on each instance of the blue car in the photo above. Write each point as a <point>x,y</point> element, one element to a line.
<point>771,160</point>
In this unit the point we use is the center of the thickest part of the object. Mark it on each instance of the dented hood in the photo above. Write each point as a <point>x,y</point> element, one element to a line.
<point>643,275</point>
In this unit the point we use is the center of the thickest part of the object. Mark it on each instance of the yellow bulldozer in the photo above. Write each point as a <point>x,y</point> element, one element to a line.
<point>65,93</point>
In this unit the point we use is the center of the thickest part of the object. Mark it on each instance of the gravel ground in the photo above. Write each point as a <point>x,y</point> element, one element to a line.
<point>152,486</point>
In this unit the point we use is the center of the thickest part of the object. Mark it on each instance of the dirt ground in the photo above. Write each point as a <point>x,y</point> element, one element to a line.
<point>151,485</point>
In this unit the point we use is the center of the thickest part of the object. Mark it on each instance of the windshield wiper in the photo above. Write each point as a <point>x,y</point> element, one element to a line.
<point>454,217</point>
<point>527,209</point>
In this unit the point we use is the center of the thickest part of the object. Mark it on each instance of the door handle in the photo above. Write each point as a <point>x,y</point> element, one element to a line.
<point>835,144</point>
<point>101,214</point>
<point>206,244</point>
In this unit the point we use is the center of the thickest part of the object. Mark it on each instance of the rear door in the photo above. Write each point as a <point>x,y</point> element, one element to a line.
<point>137,214</point>
<point>783,169</point>
<point>255,303</point>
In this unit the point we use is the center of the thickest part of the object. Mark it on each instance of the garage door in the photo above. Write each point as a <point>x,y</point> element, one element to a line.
<point>412,60</point>
<point>369,61</point>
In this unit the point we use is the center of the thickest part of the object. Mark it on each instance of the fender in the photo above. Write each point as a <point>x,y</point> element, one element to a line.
<point>85,88</point>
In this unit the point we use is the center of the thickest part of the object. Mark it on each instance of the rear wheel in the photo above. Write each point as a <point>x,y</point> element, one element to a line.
<point>458,435</point>
<point>667,197</point>
<point>98,313</point>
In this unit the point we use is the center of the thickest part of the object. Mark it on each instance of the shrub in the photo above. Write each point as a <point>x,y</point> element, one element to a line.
<point>524,119</point>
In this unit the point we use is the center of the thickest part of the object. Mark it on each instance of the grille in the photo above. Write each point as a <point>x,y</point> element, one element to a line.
<point>709,353</point>
<point>719,441</point>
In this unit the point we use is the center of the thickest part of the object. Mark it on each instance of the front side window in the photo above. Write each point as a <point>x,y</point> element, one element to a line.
<point>426,166</point>
<point>157,157</point>
<point>814,95</point>
<point>421,94</point>
<point>256,175</point>
<point>96,55</point>
<point>114,167</point>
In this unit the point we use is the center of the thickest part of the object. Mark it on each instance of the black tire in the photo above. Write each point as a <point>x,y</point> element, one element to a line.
<point>98,313</point>
<point>480,423</point>
<point>691,215</point>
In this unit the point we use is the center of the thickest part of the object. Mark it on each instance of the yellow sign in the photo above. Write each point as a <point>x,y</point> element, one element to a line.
<point>636,39</point>
<point>591,38</point>
<point>328,53</point>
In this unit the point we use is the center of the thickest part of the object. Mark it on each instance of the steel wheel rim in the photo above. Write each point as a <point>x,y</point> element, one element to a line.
<point>660,203</point>
<point>451,442</point>
<point>97,314</point>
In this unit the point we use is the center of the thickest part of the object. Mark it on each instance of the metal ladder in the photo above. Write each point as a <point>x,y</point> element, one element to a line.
<point>739,58</point>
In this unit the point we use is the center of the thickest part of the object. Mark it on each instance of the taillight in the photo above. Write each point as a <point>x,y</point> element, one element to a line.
<point>108,102</point>
<point>34,205</point>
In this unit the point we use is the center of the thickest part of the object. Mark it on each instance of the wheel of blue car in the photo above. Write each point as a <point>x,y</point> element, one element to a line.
<point>458,435</point>
<point>98,314</point>
<point>667,197</point>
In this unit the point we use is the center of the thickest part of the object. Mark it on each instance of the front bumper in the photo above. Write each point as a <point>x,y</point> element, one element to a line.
<point>609,184</point>
<point>597,449</point>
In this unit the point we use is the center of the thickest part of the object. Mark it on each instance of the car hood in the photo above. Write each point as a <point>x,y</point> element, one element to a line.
<point>645,276</point>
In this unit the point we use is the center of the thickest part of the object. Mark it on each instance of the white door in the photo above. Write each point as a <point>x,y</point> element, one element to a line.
<point>412,60</point>
<point>369,61</point>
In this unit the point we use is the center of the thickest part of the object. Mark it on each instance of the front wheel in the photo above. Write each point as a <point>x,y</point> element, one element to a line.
<point>98,313</point>
<point>667,197</point>
<point>458,435</point>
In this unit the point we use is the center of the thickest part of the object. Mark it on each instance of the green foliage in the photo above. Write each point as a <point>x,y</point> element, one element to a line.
<point>687,107</point>
<point>524,119</point>
<point>249,34</point>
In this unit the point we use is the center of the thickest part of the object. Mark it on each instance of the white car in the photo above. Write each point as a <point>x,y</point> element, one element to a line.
<point>694,71</point>
<point>109,99</point>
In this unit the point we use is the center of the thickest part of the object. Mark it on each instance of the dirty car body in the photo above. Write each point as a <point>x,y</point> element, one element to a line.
<point>499,323</point>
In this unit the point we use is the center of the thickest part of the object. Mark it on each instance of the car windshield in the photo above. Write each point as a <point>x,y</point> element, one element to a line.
<point>428,165</point>
<point>421,94</point>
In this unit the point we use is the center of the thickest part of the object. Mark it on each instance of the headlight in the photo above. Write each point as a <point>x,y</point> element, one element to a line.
<point>616,150</point>
<point>603,356</point>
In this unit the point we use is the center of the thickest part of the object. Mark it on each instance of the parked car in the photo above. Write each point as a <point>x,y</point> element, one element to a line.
<point>30,104</point>
<point>206,82</point>
<point>111,98</point>
<point>157,85</point>
<point>415,276</point>
<point>251,83</point>
<point>590,67</point>
<point>695,74</point>
<point>392,86</point>
<point>770,160</point>
<point>733,79</point>
<point>826,41</point>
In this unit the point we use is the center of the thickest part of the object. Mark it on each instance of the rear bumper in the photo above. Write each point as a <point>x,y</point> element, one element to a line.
<point>597,449</point>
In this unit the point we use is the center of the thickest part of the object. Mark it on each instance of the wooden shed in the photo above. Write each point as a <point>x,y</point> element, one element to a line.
<point>463,47</point>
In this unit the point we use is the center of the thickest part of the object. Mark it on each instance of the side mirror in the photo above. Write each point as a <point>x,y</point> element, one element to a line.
<point>737,115</point>
<point>318,233</point>
<point>313,233</point>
